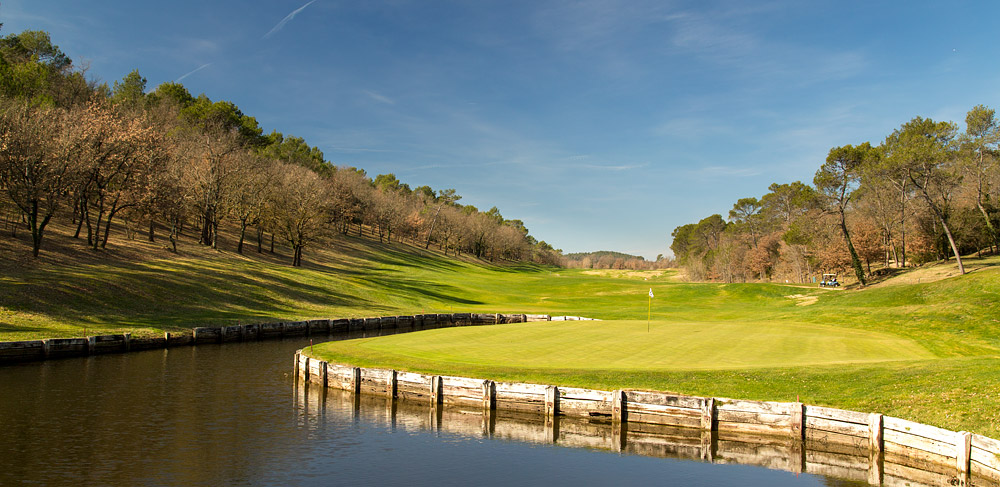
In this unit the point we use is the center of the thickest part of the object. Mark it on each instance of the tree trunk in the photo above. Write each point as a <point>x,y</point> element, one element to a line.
<point>947,231</point>
<point>855,261</point>
<point>989,224</point>
<point>243,232</point>
<point>152,230</point>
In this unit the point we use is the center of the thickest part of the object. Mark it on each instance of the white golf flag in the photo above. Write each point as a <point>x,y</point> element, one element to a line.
<point>650,292</point>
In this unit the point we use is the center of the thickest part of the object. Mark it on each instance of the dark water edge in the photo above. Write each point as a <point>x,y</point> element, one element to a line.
<point>233,414</point>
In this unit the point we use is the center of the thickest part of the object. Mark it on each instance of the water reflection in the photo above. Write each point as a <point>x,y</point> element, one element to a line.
<point>593,436</point>
<point>233,415</point>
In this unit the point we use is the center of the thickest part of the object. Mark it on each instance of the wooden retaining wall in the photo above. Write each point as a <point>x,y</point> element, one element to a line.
<point>886,450</point>
<point>52,348</point>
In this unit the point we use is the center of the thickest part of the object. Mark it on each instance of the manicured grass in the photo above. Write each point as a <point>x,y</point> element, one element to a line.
<point>626,345</point>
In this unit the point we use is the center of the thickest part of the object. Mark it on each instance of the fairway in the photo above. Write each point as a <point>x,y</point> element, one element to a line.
<point>626,345</point>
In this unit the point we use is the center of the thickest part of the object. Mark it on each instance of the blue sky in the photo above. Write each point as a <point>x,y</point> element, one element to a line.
<point>602,124</point>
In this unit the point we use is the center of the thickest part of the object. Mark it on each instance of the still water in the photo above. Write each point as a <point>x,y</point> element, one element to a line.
<point>234,415</point>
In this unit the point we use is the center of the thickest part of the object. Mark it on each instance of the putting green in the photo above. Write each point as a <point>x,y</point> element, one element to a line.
<point>626,345</point>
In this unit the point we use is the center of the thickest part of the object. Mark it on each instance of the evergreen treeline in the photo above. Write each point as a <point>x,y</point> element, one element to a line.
<point>168,161</point>
<point>928,192</point>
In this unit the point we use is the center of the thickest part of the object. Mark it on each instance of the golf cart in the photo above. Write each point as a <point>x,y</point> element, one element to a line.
<point>829,280</point>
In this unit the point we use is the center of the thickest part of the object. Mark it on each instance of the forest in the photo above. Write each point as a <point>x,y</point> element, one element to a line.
<point>158,163</point>
<point>928,192</point>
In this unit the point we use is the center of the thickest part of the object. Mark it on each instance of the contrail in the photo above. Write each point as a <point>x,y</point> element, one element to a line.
<point>195,70</point>
<point>287,18</point>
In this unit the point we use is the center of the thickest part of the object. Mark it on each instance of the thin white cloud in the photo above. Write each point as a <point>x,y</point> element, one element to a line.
<point>380,98</point>
<point>620,167</point>
<point>287,19</point>
<point>193,71</point>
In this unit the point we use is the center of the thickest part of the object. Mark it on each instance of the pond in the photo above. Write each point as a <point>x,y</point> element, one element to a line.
<point>234,414</point>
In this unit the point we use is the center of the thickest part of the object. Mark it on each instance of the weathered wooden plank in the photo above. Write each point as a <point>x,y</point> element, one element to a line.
<point>387,322</point>
<point>341,325</point>
<point>981,474</point>
<point>531,318</point>
<point>108,343</point>
<point>836,426</point>
<point>66,347</point>
<point>649,409</point>
<point>833,414</point>
<point>986,444</point>
<point>318,326</point>
<point>753,429</point>
<point>918,429</point>
<point>672,420</point>
<point>520,388</point>
<point>271,330</point>
<point>461,319</point>
<point>534,406</point>
<point>207,334</point>
<point>444,320</point>
<point>893,439</point>
<point>372,324</point>
<point>405,321</point>
<point>664,399</point>
<point>776,420</point>
<point>295,328</point>
<point>765,407</point>
<point>575,407</point>
<point>480,319</point>
<point>355,325</point>
<point>21,350</point>
<point>413,378</point>
<point>986,453</point>
<point>985,458</point>
<point>461,382</point>
<point>584,394</point>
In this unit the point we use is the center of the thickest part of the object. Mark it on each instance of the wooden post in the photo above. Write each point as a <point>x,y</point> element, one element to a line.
<point>222,333</point>
<point>91,345</point>
<point>875,427</point>
<point>297,366</point>
<point>305,370</point>
<point>798,414</point>
<point>619,424</point>
<point>324,374</point>
<point>708,414</point>
<point>489,395</point>
<point>963,441</point>
<point>875,452</point>
<point>436,396</point>
<point>619,407</point>
<point>128,342</point>
<point>551,401</point>
<point>166,339</point>
<point>356,380</point>
<point>390,384</point>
